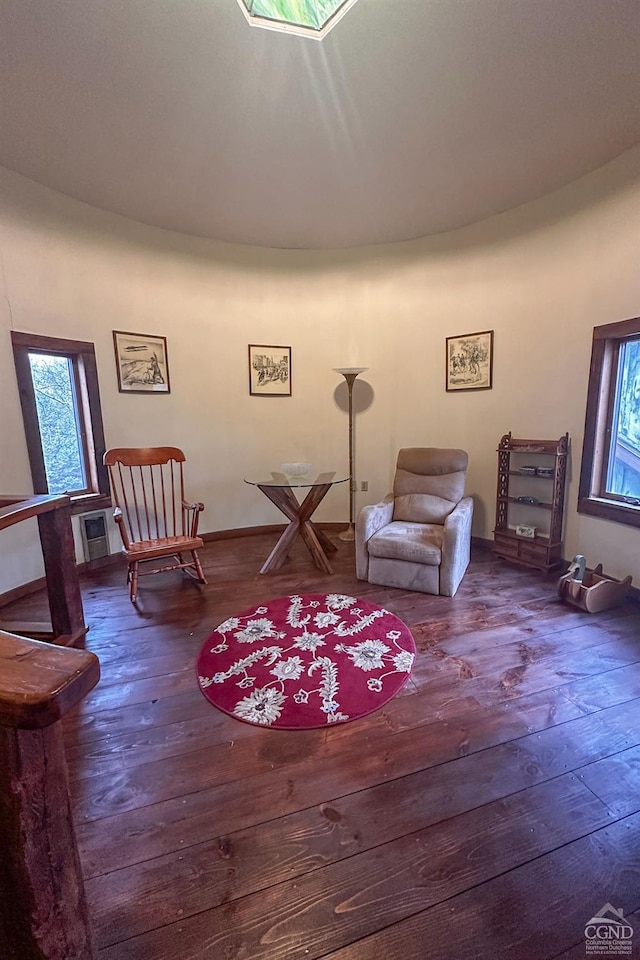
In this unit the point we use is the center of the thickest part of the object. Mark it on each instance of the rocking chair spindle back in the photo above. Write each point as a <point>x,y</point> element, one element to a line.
<point>154,519</point>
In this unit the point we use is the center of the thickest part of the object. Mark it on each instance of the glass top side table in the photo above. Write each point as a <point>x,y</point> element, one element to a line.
<point>279,488</point>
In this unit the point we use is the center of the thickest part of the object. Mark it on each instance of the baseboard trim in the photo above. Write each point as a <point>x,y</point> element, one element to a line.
<point>236,532</point>
<point>481,543</point>
<point>25,589</point>
<point>632,594</point>
<point>112,560</point>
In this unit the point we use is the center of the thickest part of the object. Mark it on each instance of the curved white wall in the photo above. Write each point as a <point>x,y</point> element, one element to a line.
<point>540,276</point>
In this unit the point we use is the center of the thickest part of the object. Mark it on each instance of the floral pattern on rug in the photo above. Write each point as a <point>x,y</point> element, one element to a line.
<point>306,661</point>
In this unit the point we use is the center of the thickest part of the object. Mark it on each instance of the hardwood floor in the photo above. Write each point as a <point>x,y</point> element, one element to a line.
<point>489,810</point>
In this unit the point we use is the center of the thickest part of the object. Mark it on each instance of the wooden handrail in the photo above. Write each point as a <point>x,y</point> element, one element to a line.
<point>14,508</point>
<point>43,911</point>
<point>53,514</point>
<point>40,682</point>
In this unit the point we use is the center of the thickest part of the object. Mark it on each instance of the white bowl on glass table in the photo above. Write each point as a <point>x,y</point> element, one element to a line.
<point>298,468</point>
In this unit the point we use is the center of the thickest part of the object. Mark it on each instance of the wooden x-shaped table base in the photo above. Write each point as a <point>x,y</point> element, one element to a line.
<point>299,514</point>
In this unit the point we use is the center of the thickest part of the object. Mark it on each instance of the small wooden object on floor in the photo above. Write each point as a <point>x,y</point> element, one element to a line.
<point>595,592</point>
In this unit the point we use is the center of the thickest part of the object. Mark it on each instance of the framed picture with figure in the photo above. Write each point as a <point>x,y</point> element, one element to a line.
<point>141,362</point>
<point>469,361</point>
<point>269,371</point>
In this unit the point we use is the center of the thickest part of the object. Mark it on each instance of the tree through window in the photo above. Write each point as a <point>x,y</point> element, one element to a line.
<point>623,467</point>
<point>58,386</point>
<point>59,423</point>
<point>610,474</point>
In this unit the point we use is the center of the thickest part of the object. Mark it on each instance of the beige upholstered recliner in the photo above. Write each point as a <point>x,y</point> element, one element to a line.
<point>419,536</point>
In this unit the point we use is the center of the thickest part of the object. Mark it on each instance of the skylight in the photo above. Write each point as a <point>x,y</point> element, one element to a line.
<point>308,18</point>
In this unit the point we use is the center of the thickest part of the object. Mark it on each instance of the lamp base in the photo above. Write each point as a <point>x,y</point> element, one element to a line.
<point>348,535</point>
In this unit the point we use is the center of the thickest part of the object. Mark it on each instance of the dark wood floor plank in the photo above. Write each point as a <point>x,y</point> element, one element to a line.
<point>508,720</point>
<point>409,832</point>
<point>607,688</point>
<point>95,744</point>
<point>342,902</point>
<point>615,780</point>
<point>513,673</point>
<point>562,636</point>
<point>147,830</point>
<point>531,913</point>
<point>145,645</point>
<point>466,617</point>
<point>267,753</point>
<point>85,725</point>
<point>579,952</point>
<point>150,744</point>
<point>133,668</point>
<point>140,691</point>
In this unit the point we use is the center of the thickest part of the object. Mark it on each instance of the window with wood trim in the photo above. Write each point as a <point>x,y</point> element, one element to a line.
<point>58,385</point>
<point>610,473</point>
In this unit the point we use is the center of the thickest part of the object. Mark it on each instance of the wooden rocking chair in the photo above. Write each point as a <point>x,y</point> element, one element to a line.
<point>154,519</point>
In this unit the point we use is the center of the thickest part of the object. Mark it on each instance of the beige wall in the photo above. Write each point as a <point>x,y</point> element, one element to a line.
<point>540,276</point>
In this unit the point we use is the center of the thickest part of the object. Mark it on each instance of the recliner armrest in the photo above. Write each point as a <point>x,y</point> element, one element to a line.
<point>370,519</point>
<point>456,546</point>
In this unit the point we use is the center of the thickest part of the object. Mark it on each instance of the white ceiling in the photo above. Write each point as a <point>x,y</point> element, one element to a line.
<point>412,117</point>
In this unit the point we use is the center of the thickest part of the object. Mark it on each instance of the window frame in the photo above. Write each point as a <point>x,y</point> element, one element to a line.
<point>593,500</point>
<point>85,378</point>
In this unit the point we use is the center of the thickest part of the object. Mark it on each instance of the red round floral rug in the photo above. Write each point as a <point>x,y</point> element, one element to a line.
<point>306,661</point>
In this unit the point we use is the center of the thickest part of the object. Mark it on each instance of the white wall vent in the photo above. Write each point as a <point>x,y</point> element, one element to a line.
<point>93,529</point>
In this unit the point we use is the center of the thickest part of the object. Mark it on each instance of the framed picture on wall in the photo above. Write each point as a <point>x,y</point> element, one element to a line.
<point>269,371</point>
<point>141,362</point>
<point>469,361</point>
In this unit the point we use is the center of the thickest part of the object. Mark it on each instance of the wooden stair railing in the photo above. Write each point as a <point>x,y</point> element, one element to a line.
<point>67,627</point>
<point>43,912</point>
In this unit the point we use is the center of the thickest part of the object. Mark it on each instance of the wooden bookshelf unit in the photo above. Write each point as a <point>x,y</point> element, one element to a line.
<point>530,493</point>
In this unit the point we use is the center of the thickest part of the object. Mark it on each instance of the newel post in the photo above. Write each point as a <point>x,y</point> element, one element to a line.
<point>43,911</point>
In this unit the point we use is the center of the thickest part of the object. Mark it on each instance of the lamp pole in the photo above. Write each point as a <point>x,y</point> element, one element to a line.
<point>350,374</point>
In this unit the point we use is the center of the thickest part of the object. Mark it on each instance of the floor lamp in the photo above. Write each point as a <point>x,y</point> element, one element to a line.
<point>350,374</point>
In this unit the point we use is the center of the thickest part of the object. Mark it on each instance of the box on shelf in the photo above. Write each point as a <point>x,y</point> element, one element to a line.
<point>525,530</point>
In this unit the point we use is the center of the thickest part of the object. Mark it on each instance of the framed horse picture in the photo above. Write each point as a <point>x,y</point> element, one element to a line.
<point>469,361</point>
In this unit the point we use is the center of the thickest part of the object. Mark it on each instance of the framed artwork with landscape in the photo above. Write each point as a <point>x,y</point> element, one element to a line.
<point>141,362</point>
<point>469,361</point>
<point>269,370</point>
